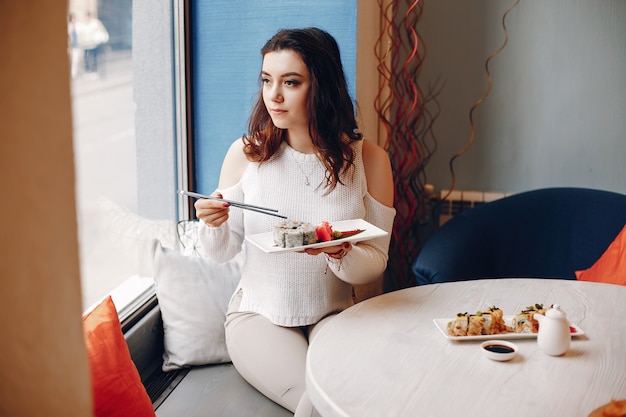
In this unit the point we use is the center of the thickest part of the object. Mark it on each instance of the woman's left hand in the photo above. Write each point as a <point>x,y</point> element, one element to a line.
<point>337,251</point>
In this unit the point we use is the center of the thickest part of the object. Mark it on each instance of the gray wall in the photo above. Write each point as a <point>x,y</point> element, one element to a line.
<point>556,114</point>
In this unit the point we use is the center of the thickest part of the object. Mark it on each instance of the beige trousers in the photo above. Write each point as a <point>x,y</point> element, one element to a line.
<point>270,357</point>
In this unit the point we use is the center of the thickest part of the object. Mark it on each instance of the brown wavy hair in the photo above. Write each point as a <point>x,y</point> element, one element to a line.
<point>332,123</point>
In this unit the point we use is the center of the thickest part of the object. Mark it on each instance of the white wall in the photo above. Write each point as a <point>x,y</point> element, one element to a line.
<point>556,112</point>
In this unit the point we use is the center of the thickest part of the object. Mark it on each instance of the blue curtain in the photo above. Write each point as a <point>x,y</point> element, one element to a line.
<point>227,36</point>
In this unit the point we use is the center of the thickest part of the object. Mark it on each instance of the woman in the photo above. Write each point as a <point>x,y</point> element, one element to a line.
<point>303,156</point>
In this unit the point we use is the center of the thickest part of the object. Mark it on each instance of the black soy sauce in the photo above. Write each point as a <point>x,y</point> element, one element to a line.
<point>499,349</point>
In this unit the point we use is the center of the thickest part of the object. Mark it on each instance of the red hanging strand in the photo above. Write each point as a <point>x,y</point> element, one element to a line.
<point>402,108</point>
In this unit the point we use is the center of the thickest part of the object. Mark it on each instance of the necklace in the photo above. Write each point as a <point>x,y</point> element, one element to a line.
<point>306,176</point>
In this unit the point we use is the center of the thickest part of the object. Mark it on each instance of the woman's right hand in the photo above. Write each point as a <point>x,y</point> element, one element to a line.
<point>212,212</point>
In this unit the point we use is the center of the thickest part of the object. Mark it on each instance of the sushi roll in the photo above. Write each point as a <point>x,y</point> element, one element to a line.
<point>488,323</point>
<point>459,326</point>
<point>279,234</point>
<point>497,324</point>
<point>293,238</point>
<point>476,324</point>
<point>521,324</point>
<point>524,321</point>
<point>308,234</point>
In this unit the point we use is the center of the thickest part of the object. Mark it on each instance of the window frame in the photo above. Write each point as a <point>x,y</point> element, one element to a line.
<point>145,299</point>
<point>183,85</point>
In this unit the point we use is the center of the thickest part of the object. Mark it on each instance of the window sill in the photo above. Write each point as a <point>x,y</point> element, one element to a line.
<point>130,295</point>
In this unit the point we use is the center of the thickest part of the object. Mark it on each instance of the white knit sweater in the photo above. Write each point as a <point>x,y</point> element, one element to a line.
<point>296,289</point>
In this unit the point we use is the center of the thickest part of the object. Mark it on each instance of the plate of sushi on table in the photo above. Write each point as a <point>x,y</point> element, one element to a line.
<point>293,235</point>
<point>485,324</point>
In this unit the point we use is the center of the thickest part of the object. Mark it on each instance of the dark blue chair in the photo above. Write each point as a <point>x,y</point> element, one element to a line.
<point>546,233</point>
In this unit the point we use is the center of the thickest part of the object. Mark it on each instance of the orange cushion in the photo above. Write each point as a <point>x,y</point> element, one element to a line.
<point>116,385</point>
<point>611,267</point>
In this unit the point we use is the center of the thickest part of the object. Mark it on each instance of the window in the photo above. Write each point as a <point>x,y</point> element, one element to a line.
<point>126,137</point>
<point>130,118</point>
<point>226,61</point>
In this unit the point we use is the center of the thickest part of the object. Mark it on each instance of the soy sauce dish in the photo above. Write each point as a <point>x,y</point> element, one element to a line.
<point>499,350</point>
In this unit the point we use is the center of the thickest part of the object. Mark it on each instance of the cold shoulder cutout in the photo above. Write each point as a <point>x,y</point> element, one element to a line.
<point>234,165</point>
<point>378,173</point>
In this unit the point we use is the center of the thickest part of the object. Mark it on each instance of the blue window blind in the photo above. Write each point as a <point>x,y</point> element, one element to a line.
<point>227,36</point>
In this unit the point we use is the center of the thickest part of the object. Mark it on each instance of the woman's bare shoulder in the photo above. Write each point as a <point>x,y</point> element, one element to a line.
<point>372,152</point>
<point>234,165</point>
<point>378,173</point>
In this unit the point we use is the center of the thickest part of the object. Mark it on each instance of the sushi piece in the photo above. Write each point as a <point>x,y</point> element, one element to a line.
<point>308,234</point>
<point>497,324</point>
<point>459,326</point>
<point>293,238</point>
<point>279,234</point>
<point>524,321</point>
<point>476,325</point>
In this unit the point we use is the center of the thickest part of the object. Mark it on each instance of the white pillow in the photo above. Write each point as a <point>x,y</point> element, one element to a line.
<point>193,294</point>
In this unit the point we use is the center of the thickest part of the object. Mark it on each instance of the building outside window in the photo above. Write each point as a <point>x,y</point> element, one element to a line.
<point>125,141</point>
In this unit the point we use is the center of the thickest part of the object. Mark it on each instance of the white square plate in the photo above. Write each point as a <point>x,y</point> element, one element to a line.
<point>265,241</point>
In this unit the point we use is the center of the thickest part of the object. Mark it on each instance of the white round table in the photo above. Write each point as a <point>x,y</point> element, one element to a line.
<point>386,357</point>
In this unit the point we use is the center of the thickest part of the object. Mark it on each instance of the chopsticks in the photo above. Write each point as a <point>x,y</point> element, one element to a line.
<point>258,209</point>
